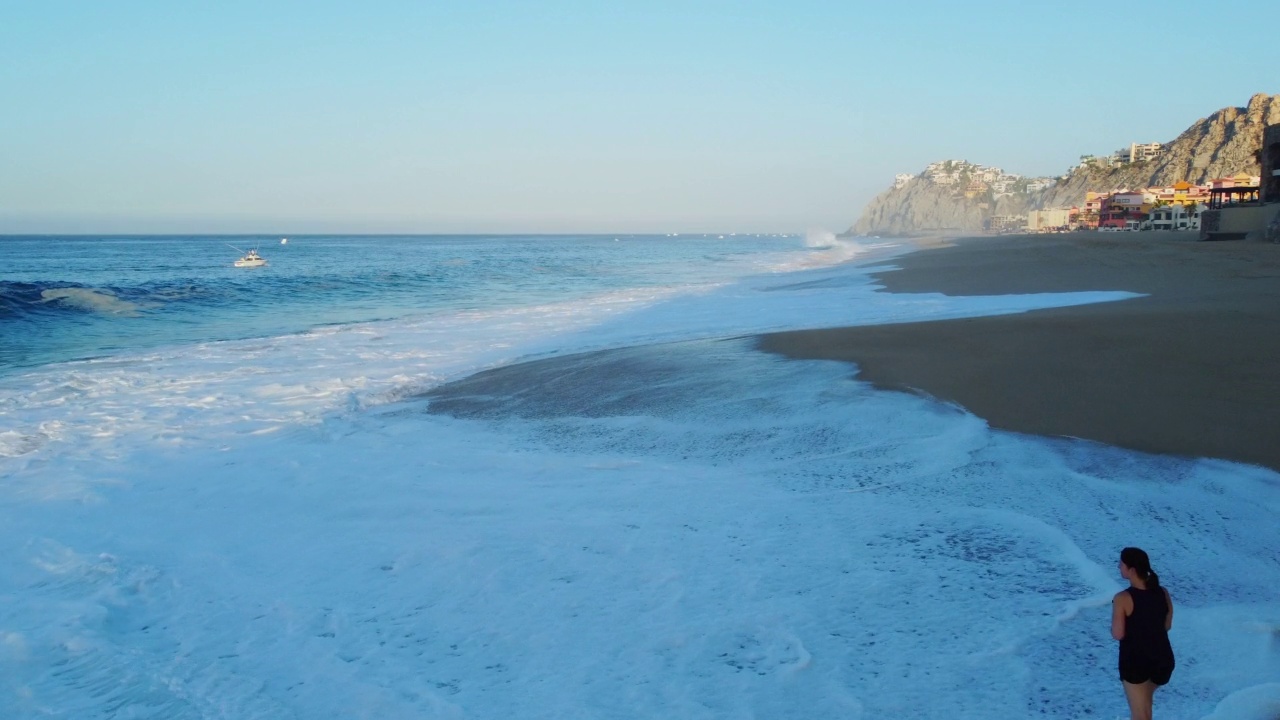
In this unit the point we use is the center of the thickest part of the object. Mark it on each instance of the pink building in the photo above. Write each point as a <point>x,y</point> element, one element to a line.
<point>1237,180</point>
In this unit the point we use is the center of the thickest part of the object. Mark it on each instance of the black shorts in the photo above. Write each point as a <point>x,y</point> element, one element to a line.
<point>1140,672</point>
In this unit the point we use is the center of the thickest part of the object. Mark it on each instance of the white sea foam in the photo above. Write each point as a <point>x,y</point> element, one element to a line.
<point>1260,702</point>
<point>94,300</point>
<point>260,529</point>
<point>223,388</point>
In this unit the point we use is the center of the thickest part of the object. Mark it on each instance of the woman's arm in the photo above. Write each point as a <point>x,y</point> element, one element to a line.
<point>1168,619</point>
<point>1120,609</point>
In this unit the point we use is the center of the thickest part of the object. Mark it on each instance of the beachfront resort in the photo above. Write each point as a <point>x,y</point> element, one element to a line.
<point>1171,207</point>
<point>1231,205</point>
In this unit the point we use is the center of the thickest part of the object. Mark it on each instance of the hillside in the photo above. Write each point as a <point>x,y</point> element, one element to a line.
<point>922,206</point>
<point>1222,144</point>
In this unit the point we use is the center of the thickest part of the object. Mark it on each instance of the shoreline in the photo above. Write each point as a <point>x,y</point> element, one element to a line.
<point>1190,369</point>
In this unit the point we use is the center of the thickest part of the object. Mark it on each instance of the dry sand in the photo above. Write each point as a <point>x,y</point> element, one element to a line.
<point>1193,369</point>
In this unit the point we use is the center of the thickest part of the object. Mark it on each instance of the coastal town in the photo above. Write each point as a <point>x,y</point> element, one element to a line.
<point>1177,206</point>
<point>975,181</point>
<point>1216,180</point>
<point>1172,207</point>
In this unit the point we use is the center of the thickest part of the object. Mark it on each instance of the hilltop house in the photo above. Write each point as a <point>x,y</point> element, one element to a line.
<point>1142,152</point>
<point>1038,184</point>
<point>975,188</point>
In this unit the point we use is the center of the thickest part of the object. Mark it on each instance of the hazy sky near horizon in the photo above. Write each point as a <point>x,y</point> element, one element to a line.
<point>566,116</point>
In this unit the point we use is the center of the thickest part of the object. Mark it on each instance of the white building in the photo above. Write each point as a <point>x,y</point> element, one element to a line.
<point>901,179</point>
<point>1139,152</point>
<point>1048,219</point>
<point>1038,184</point>
<point>1175,217</point>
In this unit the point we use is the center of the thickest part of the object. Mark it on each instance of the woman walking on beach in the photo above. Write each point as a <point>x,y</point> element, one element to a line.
<point>1141,616</point>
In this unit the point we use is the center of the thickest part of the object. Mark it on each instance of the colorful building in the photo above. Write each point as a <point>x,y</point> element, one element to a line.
<point>1093,201</point>
<point>1092,209</point>
<point>1141,200</point>
<point>1124,210</point>
<point>1235,181</point>
<point>1181,193</point>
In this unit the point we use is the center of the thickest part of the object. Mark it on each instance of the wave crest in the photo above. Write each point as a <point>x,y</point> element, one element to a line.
<point>89,299</point>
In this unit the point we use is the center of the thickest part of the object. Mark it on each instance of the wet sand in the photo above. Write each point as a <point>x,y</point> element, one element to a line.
<point>1193,369</point>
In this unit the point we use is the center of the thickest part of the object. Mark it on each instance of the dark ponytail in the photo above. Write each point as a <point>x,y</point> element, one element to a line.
<point>1138,560</point>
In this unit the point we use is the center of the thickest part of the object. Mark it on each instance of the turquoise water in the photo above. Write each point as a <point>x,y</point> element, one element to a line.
<point>67,298</point>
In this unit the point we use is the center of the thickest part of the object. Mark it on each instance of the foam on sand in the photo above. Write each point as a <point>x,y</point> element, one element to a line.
<point>285,528</point>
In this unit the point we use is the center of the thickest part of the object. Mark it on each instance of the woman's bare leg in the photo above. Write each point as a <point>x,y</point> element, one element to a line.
<point>1139,697</point>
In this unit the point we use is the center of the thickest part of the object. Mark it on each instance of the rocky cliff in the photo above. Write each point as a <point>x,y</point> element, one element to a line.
<point>1225,143</point>
<point>922,206</point>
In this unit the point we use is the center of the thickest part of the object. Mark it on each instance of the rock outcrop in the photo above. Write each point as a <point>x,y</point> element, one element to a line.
<point>920,206</point>
<point>1225,143</point>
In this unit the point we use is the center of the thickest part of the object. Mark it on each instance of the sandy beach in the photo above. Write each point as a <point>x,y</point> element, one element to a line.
<point>1190,369</point>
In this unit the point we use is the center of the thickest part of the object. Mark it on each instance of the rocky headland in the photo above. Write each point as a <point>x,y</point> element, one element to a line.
<point>955,196</point>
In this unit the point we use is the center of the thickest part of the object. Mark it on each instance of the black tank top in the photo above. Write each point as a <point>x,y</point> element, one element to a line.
<point>1144,628</point>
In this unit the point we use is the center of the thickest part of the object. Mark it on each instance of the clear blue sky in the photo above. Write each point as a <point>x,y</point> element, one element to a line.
<point>576,116</point>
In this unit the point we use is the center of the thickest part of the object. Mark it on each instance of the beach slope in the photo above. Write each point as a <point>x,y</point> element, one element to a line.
<point>1192,368</point>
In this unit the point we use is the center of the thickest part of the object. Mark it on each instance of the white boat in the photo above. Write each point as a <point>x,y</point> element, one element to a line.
<point>250,259</point>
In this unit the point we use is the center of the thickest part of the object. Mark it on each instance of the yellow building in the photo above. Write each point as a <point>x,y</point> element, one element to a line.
<point>1234,181</point>
<point>1093,200</point>
<point>975,188</point>
<point>1183,193</point>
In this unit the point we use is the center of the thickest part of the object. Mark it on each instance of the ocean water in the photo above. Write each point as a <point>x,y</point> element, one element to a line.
<point>551,477</point>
